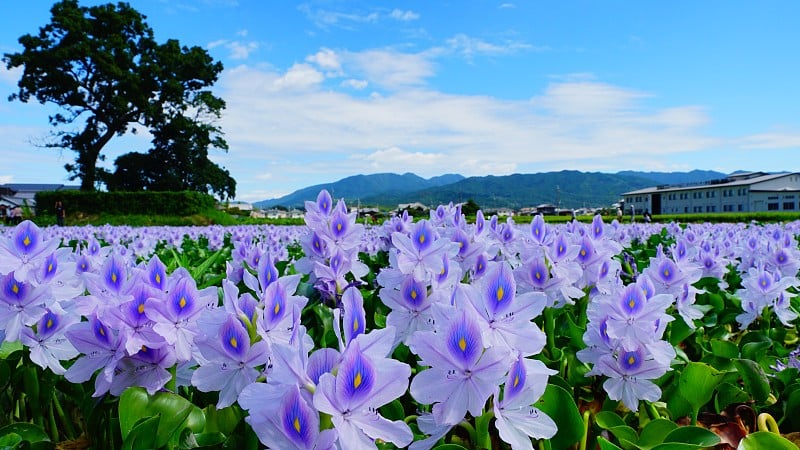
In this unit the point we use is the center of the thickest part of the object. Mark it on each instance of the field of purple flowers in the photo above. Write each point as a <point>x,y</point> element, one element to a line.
<point>428,333</point>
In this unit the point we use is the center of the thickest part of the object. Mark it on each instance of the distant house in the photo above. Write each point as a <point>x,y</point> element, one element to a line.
<point>410,206</point>
<point>546,209</point>
<point>738,192</point>
<point>276,214</point>
<point>504,212</point>
<point>20,194</point>
<point>241,206</point>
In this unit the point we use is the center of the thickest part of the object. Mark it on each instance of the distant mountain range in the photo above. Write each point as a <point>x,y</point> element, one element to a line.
<point>567,188</point>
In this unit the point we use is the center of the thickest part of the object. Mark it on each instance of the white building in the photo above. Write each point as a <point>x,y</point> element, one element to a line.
<point>738,192</point>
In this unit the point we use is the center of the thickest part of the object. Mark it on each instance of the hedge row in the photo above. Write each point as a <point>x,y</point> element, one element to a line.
<point>184,203</point>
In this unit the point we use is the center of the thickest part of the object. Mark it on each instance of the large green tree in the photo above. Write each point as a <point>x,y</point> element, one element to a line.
<point>102,66</point>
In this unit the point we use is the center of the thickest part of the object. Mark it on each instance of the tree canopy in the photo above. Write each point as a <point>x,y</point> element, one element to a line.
<point>102,66</point>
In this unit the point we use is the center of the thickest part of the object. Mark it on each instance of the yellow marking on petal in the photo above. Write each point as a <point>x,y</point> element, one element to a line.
<point>538,275</point>
<point>666,272</point>
<point>357,380</point>
<point>276,309</point>
<point>49,323</point>
<point>102,331</point>
<point>422,238</point>
<point>144,349</point>
<point>15,288</point>
<point>355,324</point>
<point>296,424</point>
<point>182,302</point>
<point>583,252</point>
<point>234,342</point>
<point>462,344</point>
<point>632,302</point>
<point>140,308</point>
<point>158,278</point>
<point>560,249</point>
<point>516,380</point>
<point>49,267</point>
<point>631,360</point>
<point>413,294</point>
<point>113,277</point>
<point>27,241</point>
<point>499,294</point>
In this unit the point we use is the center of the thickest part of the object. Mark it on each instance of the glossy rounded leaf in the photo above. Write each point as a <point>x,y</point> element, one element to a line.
<point>697,383</point>
<point>558,403</point>
<point>142,436</point>
<point>761,440</point>
<point>136,403</point>
<point>27,431</point>
<point>693,436</point>
<point>754,378</point>
<point>655,432</point>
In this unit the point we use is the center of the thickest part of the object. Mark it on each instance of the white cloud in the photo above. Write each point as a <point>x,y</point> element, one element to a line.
<point>391,69</point>
<point>470,46</point>
<point>403,16</point>
<point>323,18</point>
<point>327,60</point>
<point>311,136</point>
<point>237,50</point>
<point>355,84</point>
<point>299,76</point>
<point>771,140</point>
<point>507,6</point>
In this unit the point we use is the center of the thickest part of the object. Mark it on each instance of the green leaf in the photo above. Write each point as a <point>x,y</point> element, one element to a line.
<point>608,419</point>
<point>7,348</point>
<point>692,435</point>
<point>697,384</point>
<point>724,349</point>
<point>393,410</point>
<point>606,445</point>
<point>765,440</point>
<point>142,436</point>
<point>27,431</point>
<point>135,403</point>
<point>5,375</point>
<point>729,394</point>
<point>755,380</point>
<point>9,440</point>
<point>655,432</point>
<point>558,403</point>
<point>449,447</point>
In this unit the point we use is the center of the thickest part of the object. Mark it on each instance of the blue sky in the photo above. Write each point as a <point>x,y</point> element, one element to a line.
<point>320,90</point>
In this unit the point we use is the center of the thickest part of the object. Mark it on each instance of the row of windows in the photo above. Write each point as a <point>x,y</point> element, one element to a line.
<point>705,194</point>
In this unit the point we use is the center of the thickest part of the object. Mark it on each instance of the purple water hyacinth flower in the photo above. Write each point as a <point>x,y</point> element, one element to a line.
<point>25,251</point>
<point>760,289</point>
<point>49,345</point>
<point>410,308</point>
<point>231,361</point>
<point>175,317</point>
<point>275,323</point>
<point>147,368</point>
<point>461,374</point>
<point>318,213</point>
<point>58,273</point>
<point>342,231</point>
<point>637,318</point>
<point>420,253</point>
<point>156,273</point>
<point>107,288</point>
<point>135,327</point>
<point>101,349</point>
<point>21,304</point>
<point>630,372</point>
<point>517,420</point>
<point>505,316</point>
<point>535,275</point>
<point>540,231</point>
<point>283,417</point>
<point>785,260</point>
<point>352,315</point>
<point>351,397</point>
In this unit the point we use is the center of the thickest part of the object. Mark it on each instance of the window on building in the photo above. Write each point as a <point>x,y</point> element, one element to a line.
<point>772,206</point>
<point>788,206</point>
<point>739,207</point>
